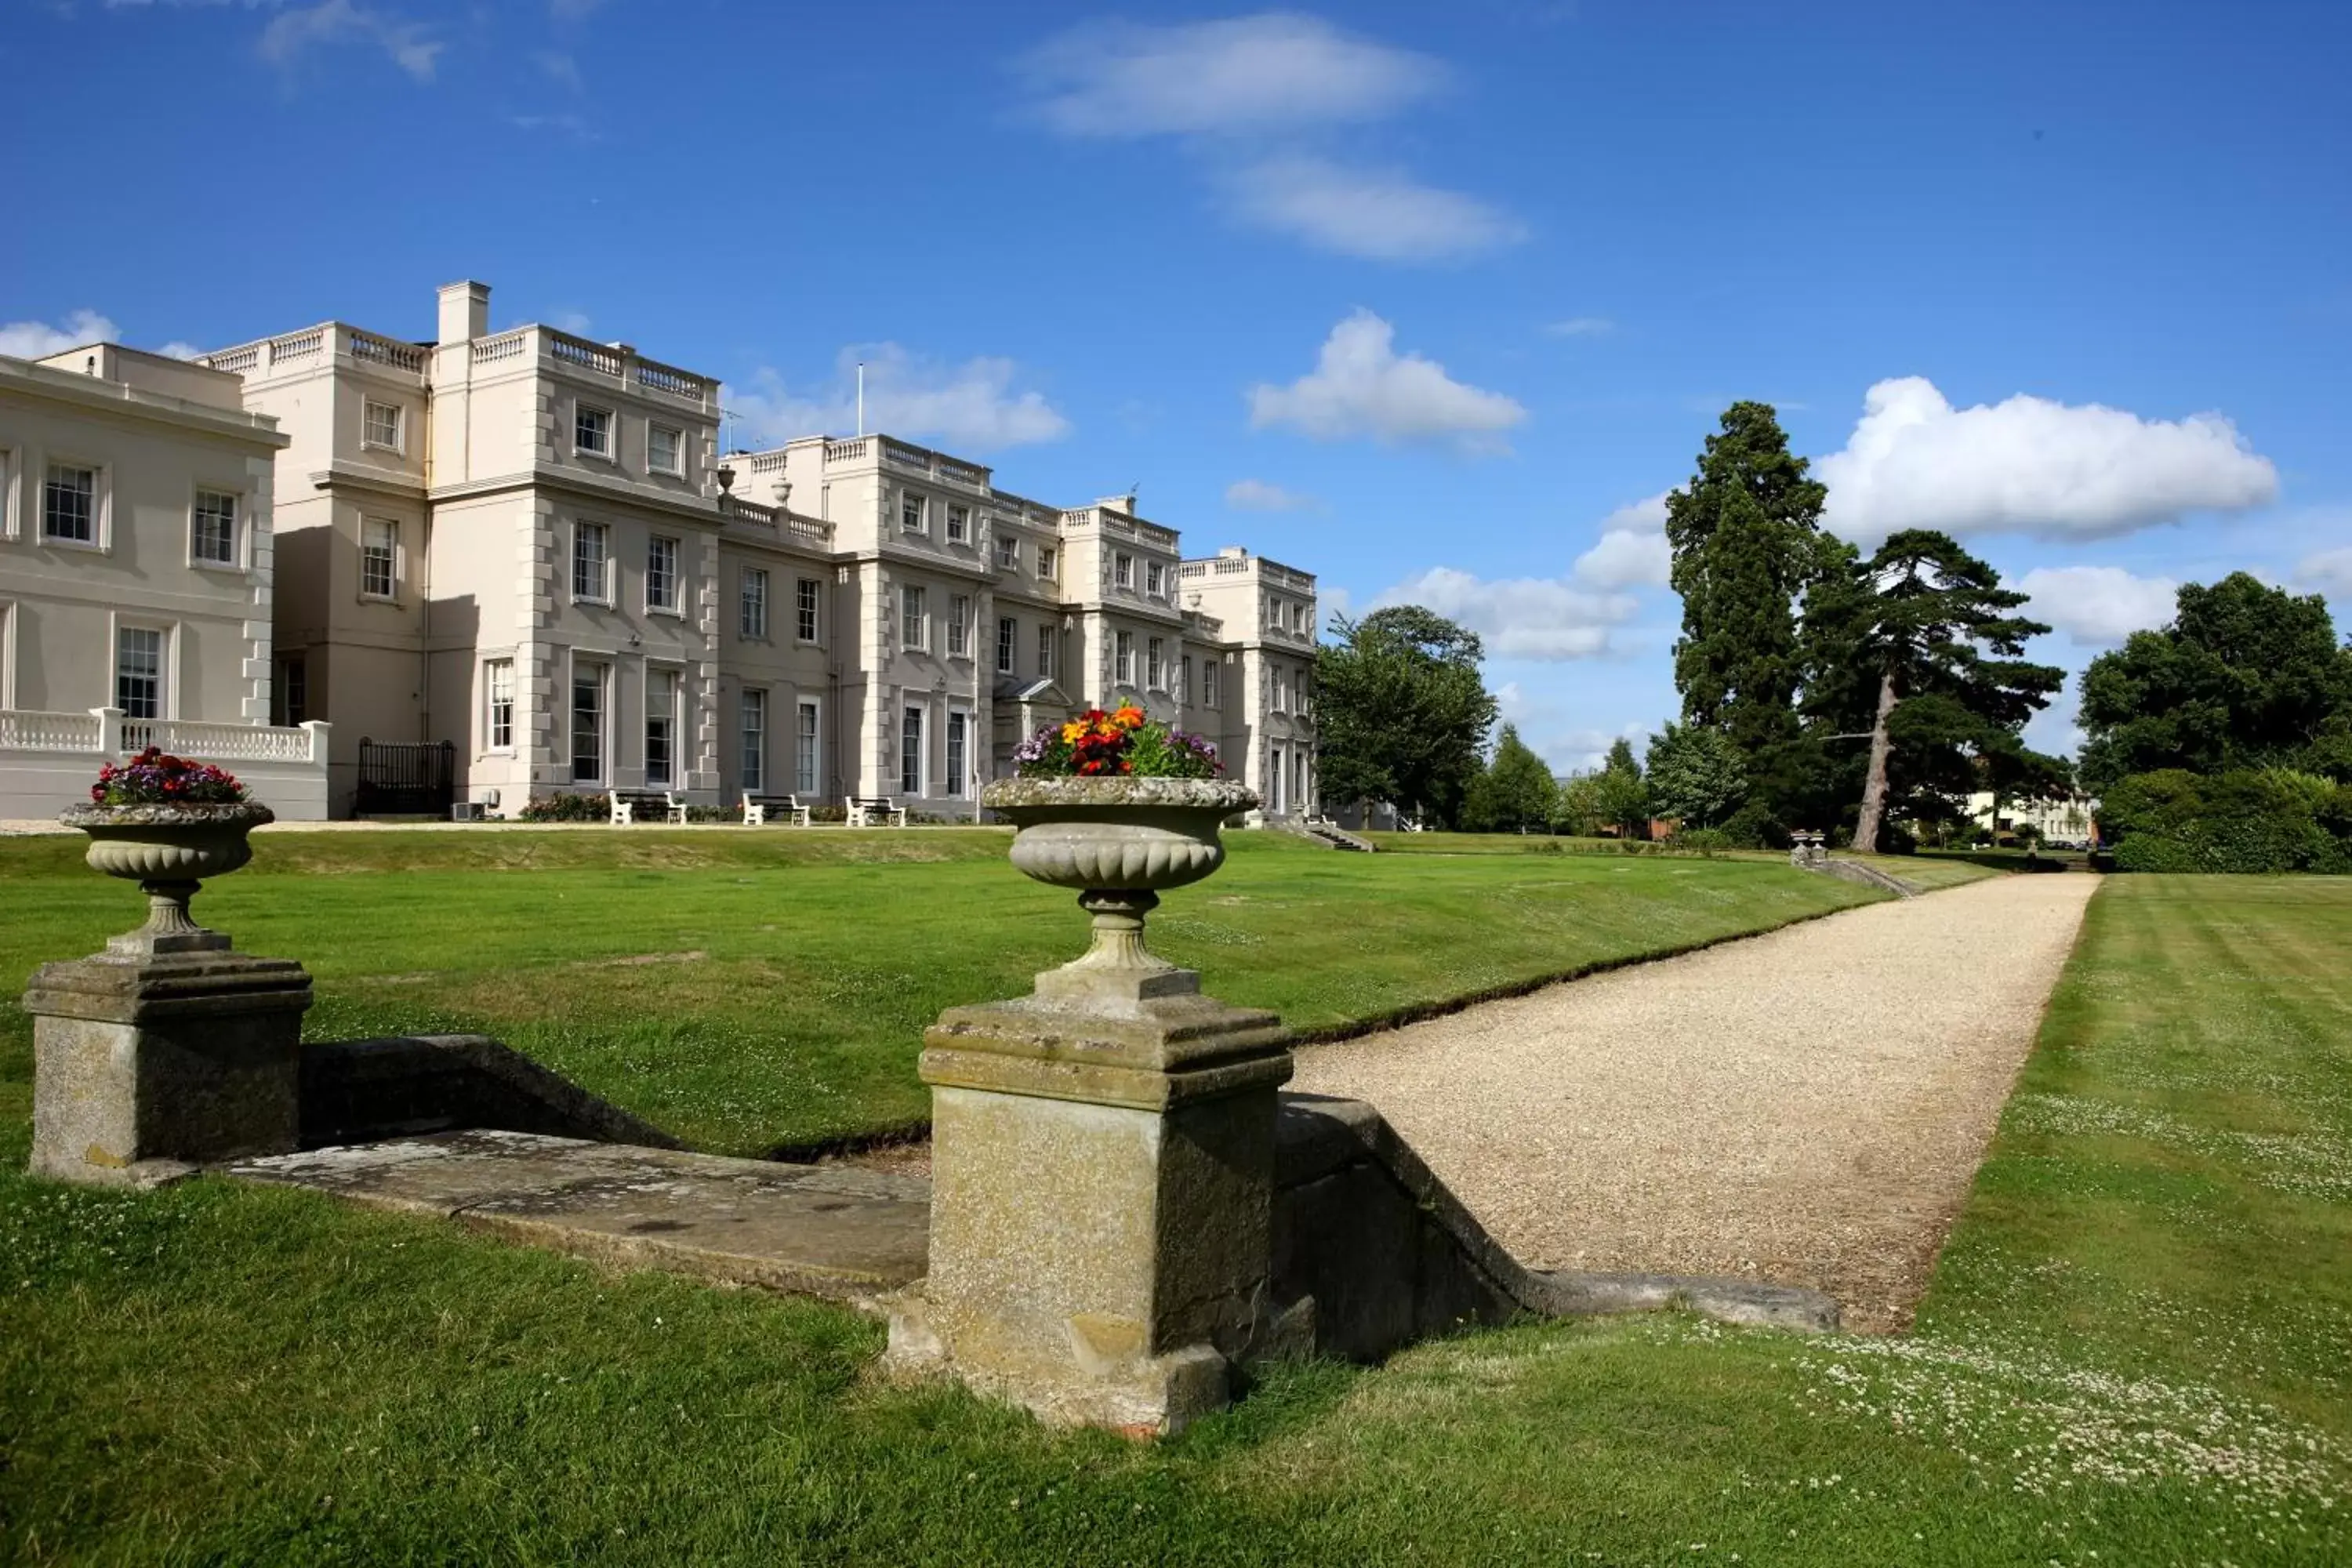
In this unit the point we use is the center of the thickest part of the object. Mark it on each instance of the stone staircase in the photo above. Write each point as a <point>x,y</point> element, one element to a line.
<point>1328,833</point>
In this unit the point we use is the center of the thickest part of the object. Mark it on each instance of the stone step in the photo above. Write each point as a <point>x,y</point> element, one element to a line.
<point>836,1231</point>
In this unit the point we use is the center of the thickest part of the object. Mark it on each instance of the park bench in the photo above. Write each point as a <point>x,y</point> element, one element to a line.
<point>630,806</point>
<point>875,811</point>
<point>757,808</point>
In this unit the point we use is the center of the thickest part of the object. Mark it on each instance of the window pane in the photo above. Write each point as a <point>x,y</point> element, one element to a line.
<point>588,560</point>
<point>213,540</point>
<point>497,685</point>
<point>661,719</point>
<point>752,723</point>
<point>139,672</point>
<point>378,557</point>
<point>958,723</point>
<point>804,778</point>
<point>753,617</point>
<point>808,590</point>
<point>69,504</point>
<point>661,575</point>
<point>1045,651</point>
<point>910,752</point>
<point>588,723</point>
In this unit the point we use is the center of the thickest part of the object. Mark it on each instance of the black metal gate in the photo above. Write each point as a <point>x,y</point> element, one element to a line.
<point>406,778</point>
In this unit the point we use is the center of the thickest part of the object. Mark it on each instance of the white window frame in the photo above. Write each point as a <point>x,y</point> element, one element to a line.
<point>959,523</point>
<point>655,673</point>
<point>911,749</point>
<point>1155,579</point>
<point>1047,561</point>
<point>1008,645</point>
<point>958,775</point>
<point>1183,678</point>
<point>676,466</point>
<point>1210,680</point>
<point>1047,641</point>
<point>9,522</point>
<point>914,619</point>
<point>751,739</point>
<point>609,451</point>
<point>602,674</point>
<point>1008,552</point>
<point>670,605</point>
<point>497,705</point>
<point>959,625</point>
<point>391,595</point>
<point>162,673</point>
<point>369,440</point>
<point>602,533</point>
<point>1123,657</point>
<point>914,513</point>
<point>236,561</point>
<point>808,745</point>
<point>101,507</point>
<point>752,604</point>
<point>1122,570</point>
<point>808,601</point>
<point>1155,663</point>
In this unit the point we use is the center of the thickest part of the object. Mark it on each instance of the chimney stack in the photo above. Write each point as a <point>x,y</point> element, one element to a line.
<point>465,312</point>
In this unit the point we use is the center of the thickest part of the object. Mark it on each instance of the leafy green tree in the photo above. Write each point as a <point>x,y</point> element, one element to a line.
<point>1924,640</point>
<point>2246,677</point>
<point>1517,790</point>
<point>1575,809</point>
<point>1402,711</point>
<point>1696,775</point>
<point>1747,542</point>
<point>1621,796</point>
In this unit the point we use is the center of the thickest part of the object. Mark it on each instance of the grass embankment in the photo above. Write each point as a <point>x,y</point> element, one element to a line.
<point>752,990</point>
<point>2136,1353</point>
<point>1917,869</point>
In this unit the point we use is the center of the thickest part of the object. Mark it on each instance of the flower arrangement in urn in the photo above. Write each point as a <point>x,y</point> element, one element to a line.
<point>168,822</point>
<point>155,777</point>
<point>1121,743</point>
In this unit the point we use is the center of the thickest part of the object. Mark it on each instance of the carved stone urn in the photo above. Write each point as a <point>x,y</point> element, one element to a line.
<point>1119,842</point>
<point>168,850</point>
<point>1102,1150</point>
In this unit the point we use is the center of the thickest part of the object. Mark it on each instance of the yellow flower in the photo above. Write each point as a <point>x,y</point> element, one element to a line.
<point>1073,731</point>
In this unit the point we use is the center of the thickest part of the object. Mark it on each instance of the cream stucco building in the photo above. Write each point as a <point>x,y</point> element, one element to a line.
<point>136,601</point>
<point>521,558</point>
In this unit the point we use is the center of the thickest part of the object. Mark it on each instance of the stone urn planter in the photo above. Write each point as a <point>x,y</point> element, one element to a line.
<point>168,850</point>
<point>1119,842</point>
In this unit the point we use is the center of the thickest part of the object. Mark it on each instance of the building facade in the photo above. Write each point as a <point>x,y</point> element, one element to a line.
<point>136,579</point>
<point>525,551</point>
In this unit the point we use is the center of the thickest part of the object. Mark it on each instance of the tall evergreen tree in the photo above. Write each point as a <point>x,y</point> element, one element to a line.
<point>1621,794</point>
<point>1747,542</point>
<point>1696,776</point>
<point>1922,646</point>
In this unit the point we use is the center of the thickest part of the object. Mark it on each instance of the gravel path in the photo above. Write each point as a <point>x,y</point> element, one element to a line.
<point>1806,1107</point>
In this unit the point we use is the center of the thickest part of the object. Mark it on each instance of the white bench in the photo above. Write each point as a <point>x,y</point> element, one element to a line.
<point>757,808</point>
<point>626,806</point>
<point>875,811</point>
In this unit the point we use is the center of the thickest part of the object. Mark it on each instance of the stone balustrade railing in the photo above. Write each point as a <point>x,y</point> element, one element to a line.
<point>105,732</point>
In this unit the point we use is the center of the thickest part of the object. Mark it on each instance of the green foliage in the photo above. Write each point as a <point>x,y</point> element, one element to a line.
<point>1747,541</point>
<point>1922,646</point>
<point>2246,676</point>
<point>1515,791</point>
<point>2246,820</point>
<point>1697,774</point>
<point>1621,796</point>
<point>1402,711</point>
<point>567,809</point>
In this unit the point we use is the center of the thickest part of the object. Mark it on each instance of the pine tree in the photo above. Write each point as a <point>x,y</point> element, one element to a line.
<point>1747,541</point>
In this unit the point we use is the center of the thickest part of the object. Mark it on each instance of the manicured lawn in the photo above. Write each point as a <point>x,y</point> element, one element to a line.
<point>748,990</point>
<point>1919,871</point>
<point>2136,1353</point>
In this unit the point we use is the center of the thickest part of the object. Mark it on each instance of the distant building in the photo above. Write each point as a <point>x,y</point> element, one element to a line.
<point>521,555</point>
<point>136,567</point>
<point>2071,821</point>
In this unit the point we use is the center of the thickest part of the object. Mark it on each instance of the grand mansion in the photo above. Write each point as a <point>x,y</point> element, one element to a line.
<point>522,558</point>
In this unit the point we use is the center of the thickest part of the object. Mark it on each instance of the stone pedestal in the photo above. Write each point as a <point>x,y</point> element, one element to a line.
<point>148,1063</point>
<point>1102,1170</point>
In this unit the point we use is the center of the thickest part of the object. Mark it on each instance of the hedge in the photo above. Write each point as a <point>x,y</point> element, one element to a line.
<point>2248,821</point>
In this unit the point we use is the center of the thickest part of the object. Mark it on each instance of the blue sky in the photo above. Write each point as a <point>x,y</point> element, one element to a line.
<point>1429,301</point>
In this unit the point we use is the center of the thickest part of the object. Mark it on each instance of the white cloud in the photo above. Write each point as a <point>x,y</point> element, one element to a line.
<point>561,67</point>
<point>291,35</point>
<point>1582,327</point>
<point>1258,495</point>
<point>179,349</point>
<point>1537,618</point>
<point>574,321</point>
<point>1632,551</point>
<point>1360,387</point>
<point>1241,74</point>
<point>968,408</point>
<point>2031,466</point>
<point>2327,572</point>
<point>38,340</point>
<point>1384,215</point>
<point>2097,606</point>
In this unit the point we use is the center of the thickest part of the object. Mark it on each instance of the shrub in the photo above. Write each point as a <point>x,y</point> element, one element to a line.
<point>567,809</point>
<point>2246,821</point>
<point>1701,840</point>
